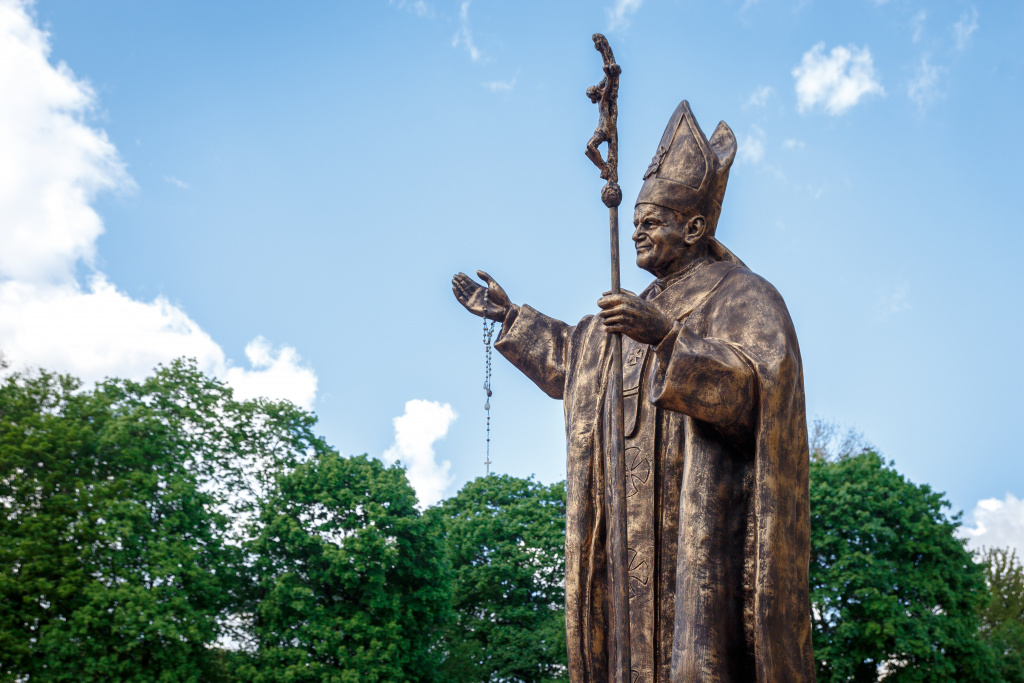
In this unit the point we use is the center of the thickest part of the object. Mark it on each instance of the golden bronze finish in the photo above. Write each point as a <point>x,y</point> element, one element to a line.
<point>707,415</point>
<point>605,95</point>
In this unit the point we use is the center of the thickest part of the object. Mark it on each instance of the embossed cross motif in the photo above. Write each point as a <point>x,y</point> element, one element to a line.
<point>638,470</point>
<point>634,357</point>
<point>639,572</point>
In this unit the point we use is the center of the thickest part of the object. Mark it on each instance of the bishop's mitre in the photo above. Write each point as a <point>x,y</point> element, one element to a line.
<point>689,172</point>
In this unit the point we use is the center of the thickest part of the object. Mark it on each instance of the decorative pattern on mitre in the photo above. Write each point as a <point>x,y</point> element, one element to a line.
<point>656,161</point>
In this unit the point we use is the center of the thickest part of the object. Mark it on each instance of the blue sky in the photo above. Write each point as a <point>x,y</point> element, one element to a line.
<point>284,191</point>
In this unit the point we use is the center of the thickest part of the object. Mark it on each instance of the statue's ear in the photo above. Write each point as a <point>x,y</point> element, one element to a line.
<point>723,141</point>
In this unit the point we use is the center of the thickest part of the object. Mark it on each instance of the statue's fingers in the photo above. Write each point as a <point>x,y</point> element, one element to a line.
<point>612,316</point>
<point>467,284</point>
<point>463,293</point>
<point>610,300</point>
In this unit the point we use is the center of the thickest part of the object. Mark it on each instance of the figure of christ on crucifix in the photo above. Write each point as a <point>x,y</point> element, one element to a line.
<point>716,456</point>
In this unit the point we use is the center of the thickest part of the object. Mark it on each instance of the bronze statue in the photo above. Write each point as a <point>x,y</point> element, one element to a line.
<point>714,442</point>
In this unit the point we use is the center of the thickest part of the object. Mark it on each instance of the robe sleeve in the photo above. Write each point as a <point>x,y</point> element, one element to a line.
<point>712,378</point>
<point>538,346</point>
<point>704,378</point>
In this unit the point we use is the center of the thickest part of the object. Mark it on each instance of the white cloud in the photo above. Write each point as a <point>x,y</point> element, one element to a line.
<point>836,81</point>
<point>273,374</point>
<point>760,96</point>
<point>997,524</point>
<point>793,143</point>
<point>620,12</point>
<point>464,36</point>
<point>923,88</point>
<point>418,7</point>
<point>176,181</point>
<point>917,24</point>
<point>751,150</point>
<point>97,331</point>
<point>52,166</point>
<point>966,26</point>
<point>500,86</point>
<point>416,430</point>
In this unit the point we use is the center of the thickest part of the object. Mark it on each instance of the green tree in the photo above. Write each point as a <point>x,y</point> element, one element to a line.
<point>354,580</point>
<point>122,521</point>
<point>1002,617</point>
<point>506,540</point>
<point>894,592</point>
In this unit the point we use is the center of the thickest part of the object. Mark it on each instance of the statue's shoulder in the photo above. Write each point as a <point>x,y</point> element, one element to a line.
<point>742,279</point>
<point>742,288</point>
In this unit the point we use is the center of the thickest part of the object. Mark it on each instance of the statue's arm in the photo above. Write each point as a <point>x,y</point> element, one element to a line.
<point>707,379</point>
<point>531,341</point>
<point>538,346</point>
<point>715,378</point>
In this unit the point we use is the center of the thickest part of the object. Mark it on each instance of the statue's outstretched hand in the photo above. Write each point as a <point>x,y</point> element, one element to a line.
<point>634,317</point>
<point>471,295</point>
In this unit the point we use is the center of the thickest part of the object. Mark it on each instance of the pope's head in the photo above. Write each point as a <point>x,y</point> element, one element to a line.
<point>681,199</point>
<point>667,240</point>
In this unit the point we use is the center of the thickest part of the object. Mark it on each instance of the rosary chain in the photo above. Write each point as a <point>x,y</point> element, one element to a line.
<point>488,336</point>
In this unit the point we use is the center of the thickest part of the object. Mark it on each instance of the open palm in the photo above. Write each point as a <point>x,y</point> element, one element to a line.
<point>471,295</point>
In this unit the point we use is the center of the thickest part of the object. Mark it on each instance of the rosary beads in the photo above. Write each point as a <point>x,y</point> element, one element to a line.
<point>488,335</point>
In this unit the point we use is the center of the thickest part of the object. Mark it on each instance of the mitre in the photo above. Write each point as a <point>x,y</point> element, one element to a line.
<point>689,171</point>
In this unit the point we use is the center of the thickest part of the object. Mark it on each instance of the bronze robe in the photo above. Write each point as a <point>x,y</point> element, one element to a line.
<point>717,467</point>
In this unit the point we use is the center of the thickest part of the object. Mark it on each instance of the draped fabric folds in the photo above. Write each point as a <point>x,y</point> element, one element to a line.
<point>717,467</point>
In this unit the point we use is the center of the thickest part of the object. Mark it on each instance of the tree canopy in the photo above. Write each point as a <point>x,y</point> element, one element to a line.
<point>353,579</point>
<point>123,521</point>
<point>506,540</point>
<point>1002,617</point>
<point>162,531</point>
<point>894,592</point>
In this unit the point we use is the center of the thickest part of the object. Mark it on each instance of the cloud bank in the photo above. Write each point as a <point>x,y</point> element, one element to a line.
<point>52,168</point>
<point>416,430</point>
<point>837,81</point>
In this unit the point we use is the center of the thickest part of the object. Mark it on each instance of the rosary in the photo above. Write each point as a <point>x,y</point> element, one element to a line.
<point>488,334</point>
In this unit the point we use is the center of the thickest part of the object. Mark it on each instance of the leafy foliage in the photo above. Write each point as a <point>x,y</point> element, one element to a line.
<point>122,521</point>
<point>893,590</point>
<point>1002,618</point>
<point>145,524</point>
<point>506,540</point>
<point>354,583</point>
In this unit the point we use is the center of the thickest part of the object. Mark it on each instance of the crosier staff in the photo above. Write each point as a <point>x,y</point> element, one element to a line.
<point>605,95</point>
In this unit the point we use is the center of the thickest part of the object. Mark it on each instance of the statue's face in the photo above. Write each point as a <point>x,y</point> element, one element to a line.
<point>661,239</point>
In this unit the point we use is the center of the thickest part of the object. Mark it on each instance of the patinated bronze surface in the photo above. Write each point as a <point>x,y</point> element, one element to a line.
<point>715,438</point>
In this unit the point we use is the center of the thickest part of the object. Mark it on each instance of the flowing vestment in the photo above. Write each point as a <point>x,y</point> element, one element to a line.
<point>717,467</point>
